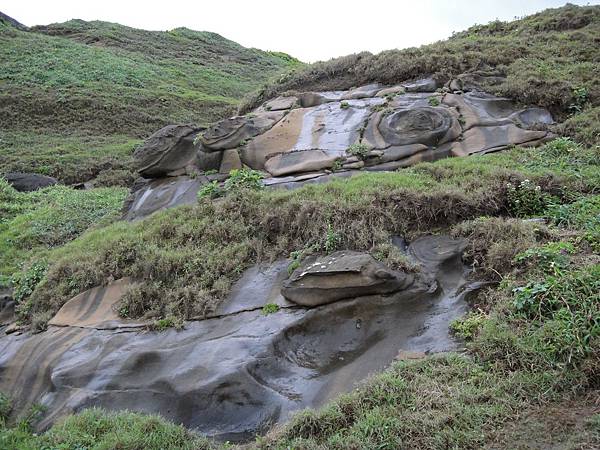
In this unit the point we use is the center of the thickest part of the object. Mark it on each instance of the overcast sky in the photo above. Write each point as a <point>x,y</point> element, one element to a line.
<point>310,30</point>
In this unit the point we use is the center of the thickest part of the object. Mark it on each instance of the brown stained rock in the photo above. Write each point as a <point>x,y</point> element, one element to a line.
<point>345,274</point>
<point>169,149</point>
<point>301,161</point>
<point>94,308</point>
<point>230,133</point>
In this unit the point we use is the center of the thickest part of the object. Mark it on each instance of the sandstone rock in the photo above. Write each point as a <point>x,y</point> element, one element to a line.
<point>422,85</point>
<point>345,274</point>
<point>300,161</point>
<point>28,182</point>
<point>169,149</point>
<point>422,125</point>
<point>231,160</point>
<point>310,99</point>
<point>486,139</point>
<point>327,127</point>
<point>354,165</point>
<point>396,152</point>
<point>363,92</point>
<point>391,91</point>
<point>229,133</point>
<point>95,308</point>
<point>280,103</point>
<point>149,196</point>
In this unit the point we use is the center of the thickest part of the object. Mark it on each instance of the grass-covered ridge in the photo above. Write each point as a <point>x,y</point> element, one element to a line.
<point>190,256</point>
<point>101,87</point>
<point>549,59</point>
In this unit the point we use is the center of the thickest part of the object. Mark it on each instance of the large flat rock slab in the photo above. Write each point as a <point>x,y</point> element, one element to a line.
<point>96,308</point>
<point>238,373</point>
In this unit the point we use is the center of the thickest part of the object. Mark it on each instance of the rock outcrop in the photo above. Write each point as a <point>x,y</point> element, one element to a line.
<point>28,182</point>
<point>344,274</point>
<point>237,372</point>
<point>316,134</point>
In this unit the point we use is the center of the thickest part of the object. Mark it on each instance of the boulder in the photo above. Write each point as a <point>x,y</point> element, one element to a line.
<point>300,161</point>
<point>28,182</point>
<point>230,133</point>
<point>310,99</point>
<point>231,160</point>
<point>422,85</point>
<point>370,90</point>
<point>279,104</point>
<point>168,150</point>
<point>345,274</point>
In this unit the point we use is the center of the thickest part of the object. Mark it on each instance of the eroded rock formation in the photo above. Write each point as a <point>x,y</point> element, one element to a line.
<point>316,134</point>
<point>239,371</point>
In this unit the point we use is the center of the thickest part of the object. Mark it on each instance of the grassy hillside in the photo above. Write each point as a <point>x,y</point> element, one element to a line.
<point>530,377</point>
<point>550,59</point>
<point>76,97</point>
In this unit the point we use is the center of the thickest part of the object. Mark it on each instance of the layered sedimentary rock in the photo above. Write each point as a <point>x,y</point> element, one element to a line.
<point>372,127</point>
<point>239,371</point>
<point>345,274</point>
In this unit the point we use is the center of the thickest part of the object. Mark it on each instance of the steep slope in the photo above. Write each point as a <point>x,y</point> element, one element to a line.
<point>76,97</point>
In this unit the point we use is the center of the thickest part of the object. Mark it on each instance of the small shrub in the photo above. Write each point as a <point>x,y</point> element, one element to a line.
<point>580,98</point>
<point>551,257</point>
<point>166,323</point>
<point>433,101</point>
<point>244,179</point>
<point>393,257</point>
<point>359,150</point>
<point>24,282</point>
<point>467,327</point>
<point>270,308</point>
<point>526,199</point>
<point>211,190</point>
<point>332,239</point>
<point>344,105</point>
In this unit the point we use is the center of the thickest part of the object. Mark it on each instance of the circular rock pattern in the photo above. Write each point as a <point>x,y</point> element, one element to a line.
<point>424,125</point>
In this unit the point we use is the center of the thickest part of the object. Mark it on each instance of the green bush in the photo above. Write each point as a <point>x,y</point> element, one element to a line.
<point>270,308</point>
<point>359,150</point>
<point>526,199</point>
<point>244,179</point>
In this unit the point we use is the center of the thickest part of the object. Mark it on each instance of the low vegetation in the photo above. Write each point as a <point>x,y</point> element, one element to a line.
<point>531,218</point>
<point>77,97</point>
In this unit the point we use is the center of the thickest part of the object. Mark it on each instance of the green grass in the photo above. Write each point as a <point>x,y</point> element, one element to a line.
<point>95,429</point>
<point>190,256</point>
<point>33,223</point>
<point>549,59</point>
<point>84,93</point>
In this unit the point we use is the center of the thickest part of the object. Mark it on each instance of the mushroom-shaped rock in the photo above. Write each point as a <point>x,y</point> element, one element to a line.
<point>229,133</point>
<point>27,182</point>
<point>168,150</point>
<point>345,274</point>
<point>421,125</point>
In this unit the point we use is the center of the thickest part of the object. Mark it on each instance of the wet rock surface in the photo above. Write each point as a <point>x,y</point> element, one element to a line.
<point>238,372</point>
<point>313,132</point>
<point>344,274</point>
